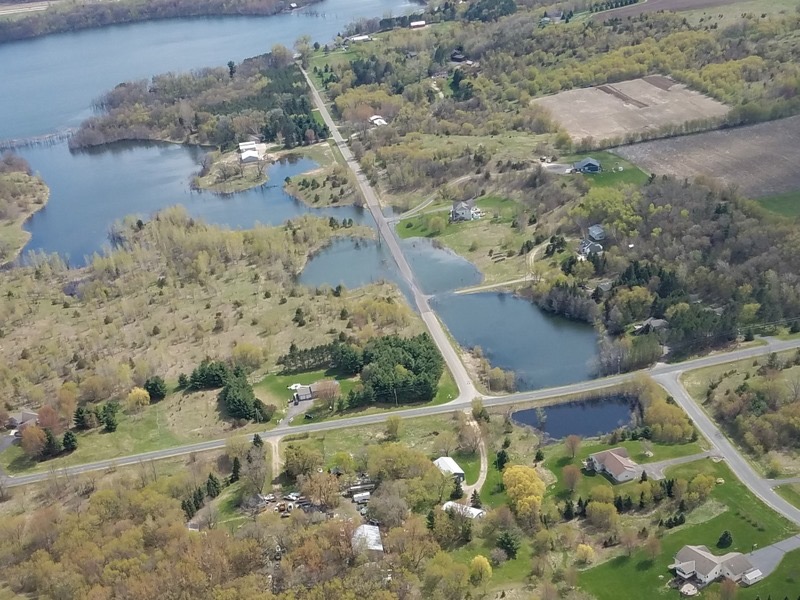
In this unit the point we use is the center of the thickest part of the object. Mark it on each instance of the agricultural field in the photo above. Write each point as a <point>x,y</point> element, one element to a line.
<point>634,106</point>
<point>655,5</point>
<point>761,160</point>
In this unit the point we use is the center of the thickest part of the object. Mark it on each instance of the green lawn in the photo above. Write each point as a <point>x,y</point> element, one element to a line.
<point>783,583</point>
<point>611,176</point>
<point>511,571</point>
<point>492,495</point>
<point>746,518</point>
<point>276,387</point>
<point>790,492</point>
<point>786,205</point>
<point>557,457</point>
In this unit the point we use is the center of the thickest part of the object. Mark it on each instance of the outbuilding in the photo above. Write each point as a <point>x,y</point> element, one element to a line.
<point>417,24</point>
<point>450,467</point>
<point>587,165</point>
<point>249,157</point>
<point>367,539</point>
<point>464,510</point>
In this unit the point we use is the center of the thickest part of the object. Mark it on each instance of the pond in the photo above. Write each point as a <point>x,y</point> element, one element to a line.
<point>91,189</point>
<point>514,334</point>
<point>586,418</point>
<point>356,262</point>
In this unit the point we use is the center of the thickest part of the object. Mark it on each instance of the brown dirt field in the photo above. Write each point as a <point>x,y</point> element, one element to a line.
<point>655,5</point>
<point>613,110</point>
<point>760,159</point>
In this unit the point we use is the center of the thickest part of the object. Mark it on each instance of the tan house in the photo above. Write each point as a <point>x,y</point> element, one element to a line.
<point>616,463</point>
<point>21,420</point>
<point>698,562</point>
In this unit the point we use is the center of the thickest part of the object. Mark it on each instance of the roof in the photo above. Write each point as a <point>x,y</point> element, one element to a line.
<point>247,146</point>
<point>417,24</point>
<point>615,461</point>
<point>586,162</point>
<point>597,232</point>
<point>368,537</point>
<point>24,416</point>
<point>463,509</point>
<point>448,465</point>
<point>248,154</point>
<point>589,247</point>
<point>700,560</point>
<point>753,575</point>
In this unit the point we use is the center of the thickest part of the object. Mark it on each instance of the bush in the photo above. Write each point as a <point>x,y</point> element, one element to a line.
<point>725,540</point>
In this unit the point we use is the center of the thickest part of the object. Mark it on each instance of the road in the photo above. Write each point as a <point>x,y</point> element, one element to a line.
<point>659,372</point>
<point>466,388</point>
<point>655,470</point>
<point>738,464</point>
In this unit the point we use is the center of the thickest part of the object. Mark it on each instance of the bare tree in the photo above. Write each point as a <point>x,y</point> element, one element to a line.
<point>573,442</point>
<point>469,437</point>
<point>255,470</point>
<point>5,491</point>
<point>793,383</point>
<point>445,443</point>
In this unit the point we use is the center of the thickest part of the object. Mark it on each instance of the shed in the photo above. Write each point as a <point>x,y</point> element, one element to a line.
<point>752,576</point>
<point>587,165</point>
<point>367,538</point>
<point>416,24</point>
<point>244,146</point>
<point>450,467</point>
<point>464,510</point>
<point>360,38</point>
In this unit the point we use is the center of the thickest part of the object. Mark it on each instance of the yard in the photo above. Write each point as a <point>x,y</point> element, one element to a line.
<point>785,205</point>
<point>748,521</point>
<point>790,492</point>
<point>611,175</point>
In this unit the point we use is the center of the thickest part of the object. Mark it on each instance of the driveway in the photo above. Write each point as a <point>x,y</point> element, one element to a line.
<point>768,558</point>
<point>468,489</point>
<point>6,441</point>
<point>655,470</point>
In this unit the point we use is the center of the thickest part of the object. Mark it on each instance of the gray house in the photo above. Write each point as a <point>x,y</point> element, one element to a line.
<point>587,165</point>
<point>464,211</point>
<point>597,233</point>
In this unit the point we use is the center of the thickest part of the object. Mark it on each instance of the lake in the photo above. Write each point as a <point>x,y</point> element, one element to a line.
<point>514,334</point>
<point>91,189</point>
<point>586,418</point>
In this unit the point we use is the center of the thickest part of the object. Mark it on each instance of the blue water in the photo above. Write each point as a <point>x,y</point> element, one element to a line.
<point>587,418</point>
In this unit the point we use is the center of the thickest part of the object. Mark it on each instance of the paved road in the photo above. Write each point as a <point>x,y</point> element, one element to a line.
<point>583,387</point>
<point>737,463</point>
<point>466,388</point>
<point>655,470</point>
<point>769,557</point>
<point>788,480</point>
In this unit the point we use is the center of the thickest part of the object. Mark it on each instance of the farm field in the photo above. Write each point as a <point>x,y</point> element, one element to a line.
<point>655,5</point>
<point>760,159</point>
<point>638,105</point>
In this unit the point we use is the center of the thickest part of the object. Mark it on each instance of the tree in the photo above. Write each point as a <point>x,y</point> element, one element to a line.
<point>236,469</point>
<point>70,441</point>
<point>321,488</point>
<point>393,427</point>
<point>156,388</point>
<point>67,399</point>
<point>572,443</point>
<point>629,539</point>
<point>48,418</point>
<point>501,459</point>
<point>231,69</point>
<point>525,490</point>
<point>445,443</point>
<point>652,547</point>
<point>584,554</point>
<point>213,486</point>
<point>479,412</point>
<point>388,505</point>
<point>539,456</point>
<point>247,356</point>
<point>110,420</point>
<point>255,470</point>
<point>52,445</point>
<point>602,515</point>
<point>725,540</point>
<point>257,441</point>
<point>137,399</point>
<point>475,500</point>
<point>480,571</point>
<point>458,491</point>
<point>571,476</point>
<point>301,459</point>
<point>33,441</point>
<point>509,544</point>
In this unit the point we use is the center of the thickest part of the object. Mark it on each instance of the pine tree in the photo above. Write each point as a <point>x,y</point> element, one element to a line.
<point>539,456</point>
<point>509,543</point>
<point>430,520</point>
<point>70,441</point>
<point>213,486</point>
<point>569,511</point>
<point>81,418</point>
<point>198,498</point>
<point>156,387</point>
<point>643,478</point>
<point>458,491</point>
<point>257,441</point>
<point>52,445</point>
<point>188,508</point>
<point>236,469</point>
<point>475,500</point>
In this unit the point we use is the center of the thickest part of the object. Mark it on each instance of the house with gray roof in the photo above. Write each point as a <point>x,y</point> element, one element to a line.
<point>587,165</point>
<point>697,562</point>
<point>615,463</point>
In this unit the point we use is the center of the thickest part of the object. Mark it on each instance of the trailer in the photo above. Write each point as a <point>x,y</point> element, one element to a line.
<point>361,498</point>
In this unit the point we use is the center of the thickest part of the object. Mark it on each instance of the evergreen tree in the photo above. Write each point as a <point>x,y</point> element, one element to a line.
<point>257,441</point>
<point>198,498</point>
<point>188,508</point>
<point>213,486</point>
<point>52,445</point>
<point>458,491</point>
<point>183,381</point>
<point>430,520</point>
<point>156,387</point>
<point>70,441</point>
<point>501,459</point>
<point>81,418</point>
<point>236,469</point>
<point>509,543</point>
<point>725,540</point>
<point>110,421</point>
<point>539,456</point>
<point>569,511</point>
<point>643,478</point>
<point>475,500</point>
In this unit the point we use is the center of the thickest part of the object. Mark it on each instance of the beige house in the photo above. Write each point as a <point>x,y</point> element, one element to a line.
<point>698,562</point>
<point>21,420</point>
<point>616,463</point>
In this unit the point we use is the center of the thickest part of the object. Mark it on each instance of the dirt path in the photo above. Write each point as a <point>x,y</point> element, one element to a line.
<point>275,454</point>
<point>484,462</point>
<point>13,9</point>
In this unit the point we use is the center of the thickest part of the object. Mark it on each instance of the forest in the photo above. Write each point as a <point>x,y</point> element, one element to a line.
<point>21,194</point>
<point>77,16</point>
<point>264,96</point>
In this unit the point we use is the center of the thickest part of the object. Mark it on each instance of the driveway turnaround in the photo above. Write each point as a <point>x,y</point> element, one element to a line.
<point>768,558</point>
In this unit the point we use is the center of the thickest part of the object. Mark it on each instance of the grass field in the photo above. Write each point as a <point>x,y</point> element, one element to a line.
<point>786,205</point>
<point>730,12</point>
<point>783,583</point>
<point>748,521</point>
<point>790,492</point>
<point>611,175</point>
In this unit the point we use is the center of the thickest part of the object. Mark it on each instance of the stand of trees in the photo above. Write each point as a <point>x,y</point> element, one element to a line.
<point>265,95</point>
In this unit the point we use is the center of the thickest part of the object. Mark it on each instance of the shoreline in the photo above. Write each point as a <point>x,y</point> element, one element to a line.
<point>20,223</point>
<point>12,26</point>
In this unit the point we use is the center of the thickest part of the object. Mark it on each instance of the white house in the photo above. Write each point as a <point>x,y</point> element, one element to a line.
<point>698,562</point>
<point>450,467</point>
<point>244,146</point>
<point>360,38</point>
<point>367,538</point>
<point>464,510</point>
<point>616,463</point>
<point>464,211</point>
<point>249,156</point>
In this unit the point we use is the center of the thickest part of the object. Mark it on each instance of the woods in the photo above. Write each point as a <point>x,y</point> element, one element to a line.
<point>21,194</point>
